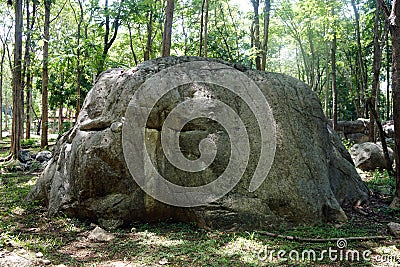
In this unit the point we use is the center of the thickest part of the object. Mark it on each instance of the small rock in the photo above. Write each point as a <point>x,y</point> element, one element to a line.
<point>39,255</point>
<point>12,243</point>
<point>163,261</point>
<point>394,229</point>
<point>44,156</point>
<point>46,262</point>
<point>24,155</point>
<point>101,235</point>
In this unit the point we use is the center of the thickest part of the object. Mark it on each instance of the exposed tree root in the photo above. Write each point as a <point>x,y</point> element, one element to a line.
<point>323,240</point>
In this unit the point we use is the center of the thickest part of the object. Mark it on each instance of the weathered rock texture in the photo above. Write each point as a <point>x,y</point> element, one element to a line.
<point>369,156</point>
<point>310,178</point>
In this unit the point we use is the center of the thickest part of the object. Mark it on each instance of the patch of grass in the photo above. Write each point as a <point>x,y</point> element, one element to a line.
<point>348,144</point>
<point>381,179</point>
<point>28,142</point>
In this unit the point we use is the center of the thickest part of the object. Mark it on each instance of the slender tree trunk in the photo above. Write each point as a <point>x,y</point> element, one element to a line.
<point>201,28</point>
<point>60,119</point>
<point>131,44</point>
<point>28,85</point>
<point>206,29</point>
<point>257,44</point>
<point>149,35</point>
<point>3,54</point>
<point>360,57</point>
<point>28,106</point>
<point>45,75</point>
<point>17,81</point>
<point>79,67</point>
<point>376,67</point>
<point>388,67</point>
<point>327,85</point>
<point>393,18</point>
<point>252,38</point>
<point>167,35</point>
<point>267,12</point>
<point>334,89</point>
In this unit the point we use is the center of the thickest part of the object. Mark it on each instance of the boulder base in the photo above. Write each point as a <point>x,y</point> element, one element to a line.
<point>311,175</point>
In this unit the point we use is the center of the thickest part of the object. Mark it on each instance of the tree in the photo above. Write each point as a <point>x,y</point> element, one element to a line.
<point>267,12</point>
<point>4,42</point>
<point>257,44</point>
<point>45,75</point>
<point>30,22</point>
<point>166,41</point>
<point>205,6</point>
<point>110,33</point>
<point>334,84</point>
<point>17,82</point>
<point>377,62</point>
<point>393,20</point>
<point>360,57</point>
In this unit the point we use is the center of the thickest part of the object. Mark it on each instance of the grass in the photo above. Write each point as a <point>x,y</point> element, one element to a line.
<point>64,240</point>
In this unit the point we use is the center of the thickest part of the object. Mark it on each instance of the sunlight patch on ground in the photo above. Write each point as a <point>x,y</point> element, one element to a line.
<point>149,238</point>
<point>246,249</point>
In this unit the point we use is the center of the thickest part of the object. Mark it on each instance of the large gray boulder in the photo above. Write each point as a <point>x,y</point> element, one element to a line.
<point>311,175</point>
<point>369,156</point>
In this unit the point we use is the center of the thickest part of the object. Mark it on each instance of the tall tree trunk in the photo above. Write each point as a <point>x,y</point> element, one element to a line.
<point>167,35</point>
<point>334,88</point>
<point>149,34</point>
<point>327,84</point>
<point>393,18</point>
<point>45,75</point>
<point>360,57</point>
<point>206,29</point>
<point>257,44</point>
<point>79,67</point>
<point>252,38</point>
<point>3,55</point>
<point>203,2</point>
<point>376,67</point>
<point>60,119</point>
<point>30,22</point>
<point>131,43</point>
<point>17,82</point>
<point>267,12</point>
<point>388,67</point>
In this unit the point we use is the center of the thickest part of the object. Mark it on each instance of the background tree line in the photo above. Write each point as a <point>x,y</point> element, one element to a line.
<point>52,50</point>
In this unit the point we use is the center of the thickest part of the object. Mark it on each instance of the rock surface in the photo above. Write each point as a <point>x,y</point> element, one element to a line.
<point>100,235</point>
<point>44,156</point>
<point>369,156</point>
<point>394,229</point>
<point>309,178</point>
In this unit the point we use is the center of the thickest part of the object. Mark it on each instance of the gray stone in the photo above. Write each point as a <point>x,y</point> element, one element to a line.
<point>24,155</point>
<point>394,229</point>
<point>100,235</point>
<point>44,156</point>
<point>369,156</point>
<point>309,178</point>
<point>352,127</point>
<point>388,128</point>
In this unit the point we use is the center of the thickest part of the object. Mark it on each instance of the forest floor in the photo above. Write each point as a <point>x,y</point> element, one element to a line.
<point>28,237</point>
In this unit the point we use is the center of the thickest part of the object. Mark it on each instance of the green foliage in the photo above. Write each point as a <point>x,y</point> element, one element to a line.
<point>381,180</point>
<point>28,142</point>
